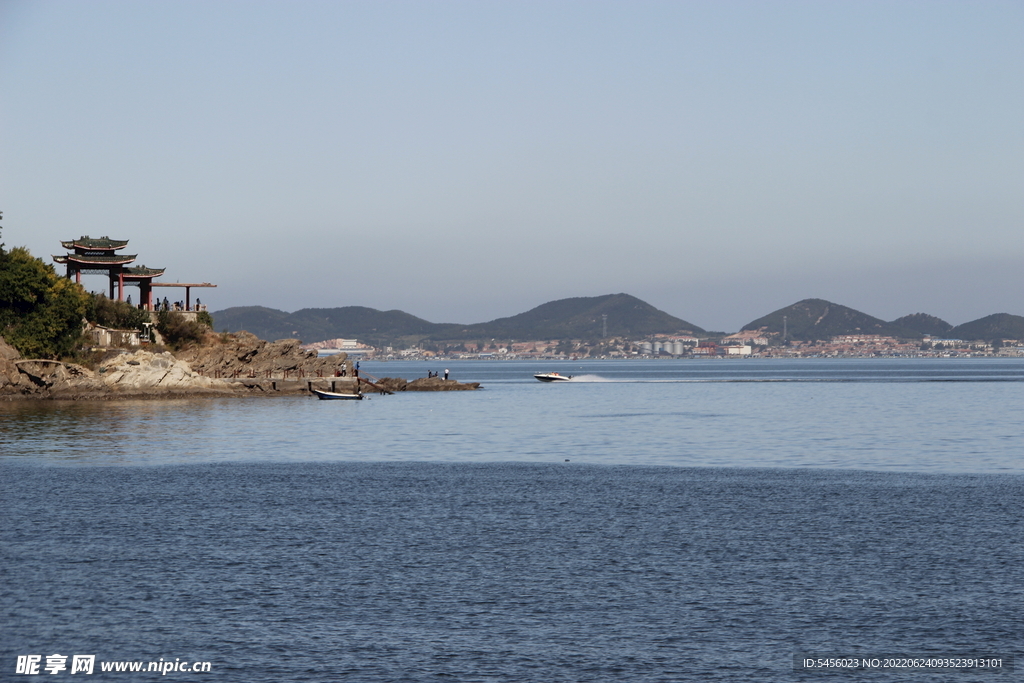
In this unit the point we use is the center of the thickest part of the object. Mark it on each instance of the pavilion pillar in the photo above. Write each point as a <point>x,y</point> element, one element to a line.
<point>146,295</point>
<point>78,277</point>
<point>111,286</point>
<point>186,298</point>
<point>120,286</point>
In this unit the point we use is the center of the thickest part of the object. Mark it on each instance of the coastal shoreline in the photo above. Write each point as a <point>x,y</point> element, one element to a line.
<point>230,366</point>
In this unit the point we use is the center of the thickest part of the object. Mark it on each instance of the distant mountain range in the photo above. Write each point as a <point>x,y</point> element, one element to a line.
<point>812,319</point>
<point>582,318</point>
<point>576,318</point>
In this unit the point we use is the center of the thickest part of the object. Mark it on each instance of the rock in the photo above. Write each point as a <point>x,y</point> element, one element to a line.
<point>49,379</point>
<point>10,377</point>
<point>254,366</point>
<point>144,372</point>
<point>438,384</point>
<point>7,351</point>
<point>137,374</point>
<point>244,355</point>
<point>392,384</point>
<point>426,384</point>
<point>40,378</point>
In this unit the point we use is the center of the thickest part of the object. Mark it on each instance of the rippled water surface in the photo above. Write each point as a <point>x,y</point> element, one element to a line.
<point>714,518</point>
<point>890,415</point>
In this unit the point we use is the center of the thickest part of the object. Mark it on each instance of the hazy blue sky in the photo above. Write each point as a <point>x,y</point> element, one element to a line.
<point>464,161</point>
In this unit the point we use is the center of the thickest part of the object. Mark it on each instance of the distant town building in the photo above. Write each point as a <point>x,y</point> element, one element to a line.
<point>350,346</point>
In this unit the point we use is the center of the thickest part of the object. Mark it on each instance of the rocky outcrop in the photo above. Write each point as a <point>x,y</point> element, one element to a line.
<point>144,372</point>
<point>50,378</point>
<point>138,374</point>
<point>426,384</point>
<point>240,364</point>
<point>243,355</point>
<point>10,376</point>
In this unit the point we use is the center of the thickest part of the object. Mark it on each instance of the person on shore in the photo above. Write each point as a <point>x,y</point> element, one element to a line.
<point>446,374</point>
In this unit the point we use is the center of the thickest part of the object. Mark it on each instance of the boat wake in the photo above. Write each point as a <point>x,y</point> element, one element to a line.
<point>590,378</point>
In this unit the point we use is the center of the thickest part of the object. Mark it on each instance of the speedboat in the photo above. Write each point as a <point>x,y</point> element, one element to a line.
<point>552,377</point>
<point>334,396</point>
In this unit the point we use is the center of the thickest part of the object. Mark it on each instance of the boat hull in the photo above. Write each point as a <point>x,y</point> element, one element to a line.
<point>552,377</point>
<point>333,396</point>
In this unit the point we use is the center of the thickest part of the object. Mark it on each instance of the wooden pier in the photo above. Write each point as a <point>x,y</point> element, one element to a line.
<point>303,385</point>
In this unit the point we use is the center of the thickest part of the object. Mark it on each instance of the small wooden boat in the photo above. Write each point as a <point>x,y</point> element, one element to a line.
<point>334,396</point>
<point>552,377</point>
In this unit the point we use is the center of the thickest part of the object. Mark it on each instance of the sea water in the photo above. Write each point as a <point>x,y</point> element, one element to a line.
<point>648,521</point>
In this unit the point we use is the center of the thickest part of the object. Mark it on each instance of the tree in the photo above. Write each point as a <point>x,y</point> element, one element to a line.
<point>177,330</point>
<point>40,312</point>
<point>115,314</point>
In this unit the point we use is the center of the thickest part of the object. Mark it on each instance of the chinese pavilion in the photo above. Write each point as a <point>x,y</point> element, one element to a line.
<point>99,256</point>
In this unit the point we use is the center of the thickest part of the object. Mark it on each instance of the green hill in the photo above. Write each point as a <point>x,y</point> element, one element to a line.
<point>265,323</point>
<point>576,318</point>
<point>922,324</point>
<point>991,327</point>
<point>316,324</point>
<point>812,319</point>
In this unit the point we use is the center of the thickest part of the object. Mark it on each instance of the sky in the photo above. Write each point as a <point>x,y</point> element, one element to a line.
<point>464,161</point>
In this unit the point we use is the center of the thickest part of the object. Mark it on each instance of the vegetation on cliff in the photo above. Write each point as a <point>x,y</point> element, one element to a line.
<point>40,312</point>
<point>118,315</point>
<point>178,330</point>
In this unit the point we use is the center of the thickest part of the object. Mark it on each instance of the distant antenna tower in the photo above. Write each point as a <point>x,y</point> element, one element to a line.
<point>783,328</point>
<point>604,324</point>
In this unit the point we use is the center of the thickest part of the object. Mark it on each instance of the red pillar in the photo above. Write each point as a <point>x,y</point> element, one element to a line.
<point>120,286</point>
<point>186,298</point>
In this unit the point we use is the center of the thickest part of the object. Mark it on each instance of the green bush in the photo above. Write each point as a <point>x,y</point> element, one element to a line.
<point>40,312</point>
<point>205,318</point>
<point>118,315</point>
<point>177,330</point>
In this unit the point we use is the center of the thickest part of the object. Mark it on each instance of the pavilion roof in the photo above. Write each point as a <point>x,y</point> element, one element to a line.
<point>140,272</point>
<point>95,244</point>
<point>100,259</point>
